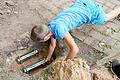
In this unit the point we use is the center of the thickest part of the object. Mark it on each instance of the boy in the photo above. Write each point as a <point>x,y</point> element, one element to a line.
<point>81,12</point>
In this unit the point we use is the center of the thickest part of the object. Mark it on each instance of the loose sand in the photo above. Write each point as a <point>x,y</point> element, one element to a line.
<point>76,69</point>
<point>69,70</point>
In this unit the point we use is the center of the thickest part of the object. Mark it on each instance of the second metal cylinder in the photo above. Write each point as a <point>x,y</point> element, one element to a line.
<point>33,66</point>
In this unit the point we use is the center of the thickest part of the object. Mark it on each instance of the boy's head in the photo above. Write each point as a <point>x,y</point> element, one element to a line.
<point>38,32</point>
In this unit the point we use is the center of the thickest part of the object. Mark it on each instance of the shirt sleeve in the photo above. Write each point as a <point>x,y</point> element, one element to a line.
<point>58,30</point>
<point>62,30</point>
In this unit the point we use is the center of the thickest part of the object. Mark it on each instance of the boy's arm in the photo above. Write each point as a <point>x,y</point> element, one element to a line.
<point>51,49</point>
<point>72,46</point>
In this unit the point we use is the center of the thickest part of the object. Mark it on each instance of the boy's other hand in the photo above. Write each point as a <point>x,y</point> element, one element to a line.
<point>46,59</point>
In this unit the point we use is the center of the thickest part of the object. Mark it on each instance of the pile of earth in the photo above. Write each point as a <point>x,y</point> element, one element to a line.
<point>69,70</point>
<point>75,69</point>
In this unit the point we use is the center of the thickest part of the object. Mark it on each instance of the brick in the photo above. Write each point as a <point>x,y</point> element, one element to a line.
<point>89,40</point>
<point>66,5</point>
<point>117,46</point>
<point>117,23</point>
<point>101,1</point>
<point>114,49</point>
<point>61,3</point>
<point>53,9</point>
<point>80,35</point>
<point>109,10</point>
<point>1,70</point>
<point>110,5</point>
<point>46,14</point>
<point>97,35</point>
<point>112,29</point>
<point>95,44</point>
<point>116,7</point>
<point>115,1</point>
<point>105,8</point>
<point>109,40</point>
<point>99,28</point>
<point>86,29</point>
<point>112,25</point>
<point>116,36</point>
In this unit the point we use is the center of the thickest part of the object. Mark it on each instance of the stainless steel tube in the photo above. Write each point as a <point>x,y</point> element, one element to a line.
<point>27,56</point>
<point>33,66</point>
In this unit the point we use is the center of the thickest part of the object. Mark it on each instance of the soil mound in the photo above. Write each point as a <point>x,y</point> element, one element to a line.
<point>76,69</point>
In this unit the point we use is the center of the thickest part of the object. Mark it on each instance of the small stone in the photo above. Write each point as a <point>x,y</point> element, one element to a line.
<point>108,32</point>
<point>11,53</point>
<point>15,12</point>
<point>22,47</point>
<point>1,12</point>
<point>101,45</point>
<point>7,60</point>
<point>9,3</point>
<point>8,11</point>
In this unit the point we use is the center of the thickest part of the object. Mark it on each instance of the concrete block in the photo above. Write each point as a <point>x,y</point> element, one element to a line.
<point>105,8</point>
<point>60,3</point>
<point>95,44</point>
<point>114,49</point>
<point>86,29</point>
<point>46,15</point>
<point>115,1</point>
<point>117,46</point>
<point>101,1</point>
<point>109,10</point>
<point>80,35</point>
<point>97,35</point>
<point>99,28</point>
<point>116,36</point>
<point>49,6</point>
<point>89,40</point>
<point>117,23</point>
<point>66,5</point>
<point>109,41</point>
<point>110,5</point>
<point>112,25</point>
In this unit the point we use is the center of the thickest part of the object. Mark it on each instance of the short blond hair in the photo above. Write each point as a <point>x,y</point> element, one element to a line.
<point>38,32</point>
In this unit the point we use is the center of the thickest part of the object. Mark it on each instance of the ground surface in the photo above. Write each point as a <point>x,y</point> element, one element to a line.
<point>17,17</point>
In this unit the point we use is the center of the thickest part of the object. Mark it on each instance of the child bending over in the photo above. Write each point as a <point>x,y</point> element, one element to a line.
<point>81,12</point>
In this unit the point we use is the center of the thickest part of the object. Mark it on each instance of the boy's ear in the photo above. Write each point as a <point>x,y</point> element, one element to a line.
<point>47,37</point>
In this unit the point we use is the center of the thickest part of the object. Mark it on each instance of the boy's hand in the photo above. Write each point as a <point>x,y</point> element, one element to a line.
<point>46,59</point>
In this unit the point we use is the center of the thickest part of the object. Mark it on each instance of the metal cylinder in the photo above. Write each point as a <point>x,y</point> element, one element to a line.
<point>33,66</point>
<point>23,58</point>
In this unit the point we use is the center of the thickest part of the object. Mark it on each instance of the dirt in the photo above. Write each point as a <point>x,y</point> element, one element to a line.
<point>76,69</point>
<point>69,70</point>
<point>17,17</point>
<point>102,73</point>
<point>86,52</point>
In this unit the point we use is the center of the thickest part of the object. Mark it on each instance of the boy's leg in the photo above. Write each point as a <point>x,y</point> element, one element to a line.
<point>113,13</point>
